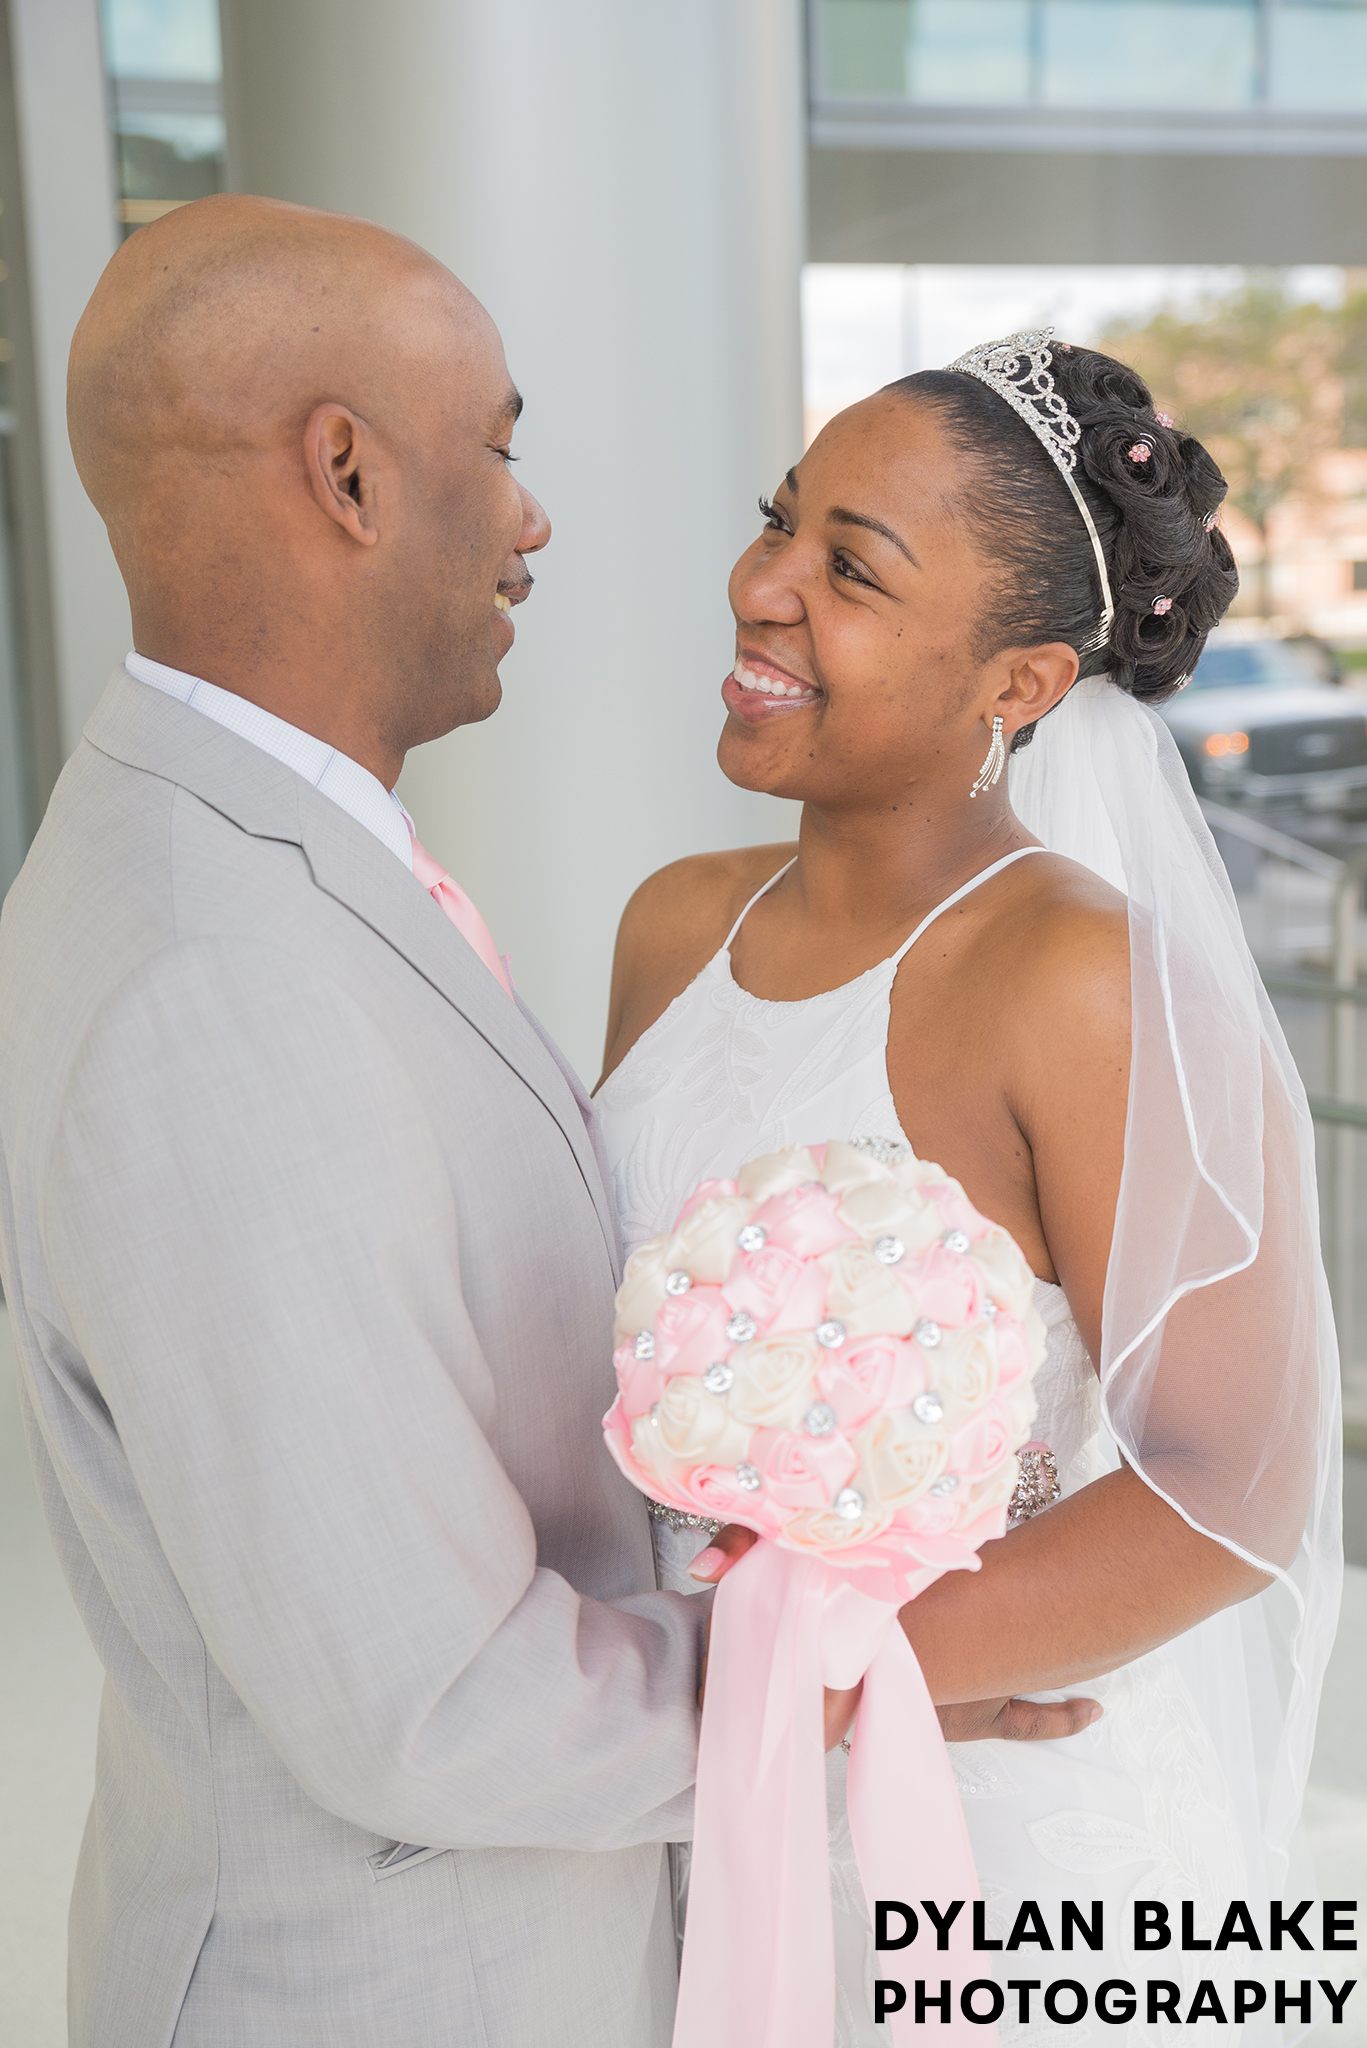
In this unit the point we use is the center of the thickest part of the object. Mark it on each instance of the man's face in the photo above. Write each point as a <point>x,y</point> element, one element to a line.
<point>453,545</point>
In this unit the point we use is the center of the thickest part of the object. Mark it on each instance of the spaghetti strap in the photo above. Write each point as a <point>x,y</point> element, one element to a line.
<point>778,877</point>
<point>984,876</point>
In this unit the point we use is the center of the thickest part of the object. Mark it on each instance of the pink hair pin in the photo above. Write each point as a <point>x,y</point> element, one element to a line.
<point>1140,452</point>
<point>1164,419</point>
<point>1162,605</point>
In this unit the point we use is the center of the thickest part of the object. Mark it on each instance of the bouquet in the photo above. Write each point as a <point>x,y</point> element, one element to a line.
<point>834,1349</point>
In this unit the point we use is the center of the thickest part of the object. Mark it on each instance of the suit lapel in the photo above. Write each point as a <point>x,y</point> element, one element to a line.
<point>148,730</point>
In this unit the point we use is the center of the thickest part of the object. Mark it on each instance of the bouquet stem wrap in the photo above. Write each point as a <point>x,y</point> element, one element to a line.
<point>758,1967</point>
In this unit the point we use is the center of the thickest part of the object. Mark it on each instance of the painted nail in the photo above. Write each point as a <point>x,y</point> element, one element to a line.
<point>707,1565</point>
<point>1095,1714</point>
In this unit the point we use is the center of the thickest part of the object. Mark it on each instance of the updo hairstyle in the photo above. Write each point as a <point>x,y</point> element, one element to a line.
<point>1154,517</point>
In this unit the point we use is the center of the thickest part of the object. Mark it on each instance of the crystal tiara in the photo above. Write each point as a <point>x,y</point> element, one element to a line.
<point>1017,369</point>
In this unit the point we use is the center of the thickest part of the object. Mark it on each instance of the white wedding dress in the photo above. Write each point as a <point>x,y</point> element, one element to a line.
<point>1137,1806</point>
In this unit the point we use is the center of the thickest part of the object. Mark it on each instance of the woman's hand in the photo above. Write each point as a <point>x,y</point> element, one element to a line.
<point>1016,1720</point>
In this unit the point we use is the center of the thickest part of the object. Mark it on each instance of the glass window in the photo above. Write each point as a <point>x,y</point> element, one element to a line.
<point>1123,54</point>
<point>164,70</point>
<point>1319,55</point>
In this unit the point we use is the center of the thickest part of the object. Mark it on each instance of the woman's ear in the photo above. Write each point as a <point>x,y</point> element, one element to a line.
<point>1039,677</point>
<point>336,451</point>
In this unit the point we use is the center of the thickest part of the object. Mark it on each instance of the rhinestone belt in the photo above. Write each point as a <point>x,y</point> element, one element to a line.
<point>1038,1486</point>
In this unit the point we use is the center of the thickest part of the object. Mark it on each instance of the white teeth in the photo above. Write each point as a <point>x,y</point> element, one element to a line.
<point>738,672</point>
<point>504,604</point>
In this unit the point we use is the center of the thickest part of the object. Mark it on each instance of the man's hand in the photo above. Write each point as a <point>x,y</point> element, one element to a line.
<point>1017,1720</point>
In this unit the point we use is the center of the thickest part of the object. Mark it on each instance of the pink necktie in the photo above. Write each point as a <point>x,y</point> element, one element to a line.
<point>460,910</point>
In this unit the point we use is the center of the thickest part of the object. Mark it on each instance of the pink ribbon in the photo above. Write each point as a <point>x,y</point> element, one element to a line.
<point>758,1961</point>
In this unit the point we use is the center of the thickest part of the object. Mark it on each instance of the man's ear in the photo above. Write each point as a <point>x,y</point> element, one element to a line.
<point>1039,677</point>
<point>336,455</point>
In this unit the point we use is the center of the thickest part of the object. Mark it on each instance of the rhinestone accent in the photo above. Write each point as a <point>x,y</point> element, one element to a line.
<point>948,1484</point>
<point>675,1518</point>
<point>752,1238</point>
<point>819,1419</point>
<point>741,1328</point>
<point>927,1333</point>
<point>849,1503</point>
<point>928,1407</point>
<point>1039,1485</point>
<point>678,1283</point>
<point>645,1344</point>
<point>889,1250</point>
<point>748,1477</point>
<point>719,1378</point>
<point>990,1309</point>
<point>830,1334</point>
<point>955,1240</point>
<point>887,1151</point>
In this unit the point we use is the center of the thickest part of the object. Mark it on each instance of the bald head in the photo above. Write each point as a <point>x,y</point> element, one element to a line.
<point>275,408</point>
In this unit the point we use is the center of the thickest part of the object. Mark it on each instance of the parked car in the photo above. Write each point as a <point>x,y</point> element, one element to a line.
<point>1258,725</point>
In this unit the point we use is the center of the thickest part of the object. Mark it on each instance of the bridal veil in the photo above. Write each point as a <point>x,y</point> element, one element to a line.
<point>1219,1366</point>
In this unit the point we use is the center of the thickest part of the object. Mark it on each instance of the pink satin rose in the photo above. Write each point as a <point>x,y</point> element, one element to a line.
<point>981,1445</point>
<point>801,1471</point>
<point>690,1331</point>
<point>706,1191</point>
<point>929,1515</point>
<point>804,1221</point>
<point>1013,1350</point>
<point>639,1379</point>
<point>781,1292</point>
<point>944,1285</point>
<point>869,1374</point>
<point>715,1490</point>
<point>659,1478</point>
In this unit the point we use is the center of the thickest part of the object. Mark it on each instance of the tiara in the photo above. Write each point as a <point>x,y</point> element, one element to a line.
<point>1017,369</point>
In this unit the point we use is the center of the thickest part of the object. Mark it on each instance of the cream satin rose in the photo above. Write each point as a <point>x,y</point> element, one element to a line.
<point>836,1349</point>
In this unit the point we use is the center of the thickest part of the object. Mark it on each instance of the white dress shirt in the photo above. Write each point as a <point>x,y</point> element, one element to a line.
<point>361,795</point>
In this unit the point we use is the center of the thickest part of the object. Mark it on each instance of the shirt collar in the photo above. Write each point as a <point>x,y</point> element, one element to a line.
<point>359,793</point>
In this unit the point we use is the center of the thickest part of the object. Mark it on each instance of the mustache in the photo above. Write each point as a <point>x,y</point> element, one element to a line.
<point>516,588</point>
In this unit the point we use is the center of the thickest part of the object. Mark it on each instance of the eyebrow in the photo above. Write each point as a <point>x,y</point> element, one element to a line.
<point>512,406</point>
<point>844,518</point>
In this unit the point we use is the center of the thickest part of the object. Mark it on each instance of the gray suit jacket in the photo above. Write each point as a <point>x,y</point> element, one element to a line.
<point>311,1269</point>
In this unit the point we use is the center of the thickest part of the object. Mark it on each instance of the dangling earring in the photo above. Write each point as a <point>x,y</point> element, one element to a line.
<point>991,769</point>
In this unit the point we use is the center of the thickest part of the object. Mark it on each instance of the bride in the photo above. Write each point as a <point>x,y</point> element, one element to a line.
<point>1036,979</point>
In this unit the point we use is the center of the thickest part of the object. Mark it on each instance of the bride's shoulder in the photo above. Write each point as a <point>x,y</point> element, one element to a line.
<point>695,901</point>
<point>678,918</point>
<point>1071,941</point>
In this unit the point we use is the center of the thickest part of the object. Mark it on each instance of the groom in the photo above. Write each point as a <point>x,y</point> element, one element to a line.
<point>307,1249</point>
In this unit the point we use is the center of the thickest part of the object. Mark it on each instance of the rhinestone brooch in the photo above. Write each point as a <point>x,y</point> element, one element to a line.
<point>678,1283</point>
<point>887,1151</point>
<point>955,1240</point>
<point>989,1309</point>
<point>927,1333</point>
<point>819,1419</point>
<point>719,1379</point>
<point>849,1503</point>
<point>748,1477</point>
<point>752,1238</point>
<point>645,1345</point>
<point>741,1328</point>
<point>889,1250</point>
<point>927,1408</point>
<point>830,1335</point>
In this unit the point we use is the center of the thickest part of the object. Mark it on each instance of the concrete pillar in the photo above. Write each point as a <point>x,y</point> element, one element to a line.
<point>65,169</point>
<point>621,184</point>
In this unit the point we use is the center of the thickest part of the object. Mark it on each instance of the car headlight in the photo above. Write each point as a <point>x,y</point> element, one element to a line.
<point>1220,744</point>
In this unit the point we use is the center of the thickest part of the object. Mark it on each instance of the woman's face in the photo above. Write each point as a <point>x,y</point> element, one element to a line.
<point>856,606</point>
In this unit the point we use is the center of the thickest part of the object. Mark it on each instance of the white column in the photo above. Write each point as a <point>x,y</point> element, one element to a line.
<point>621,184</point>
<point>67,173</point>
